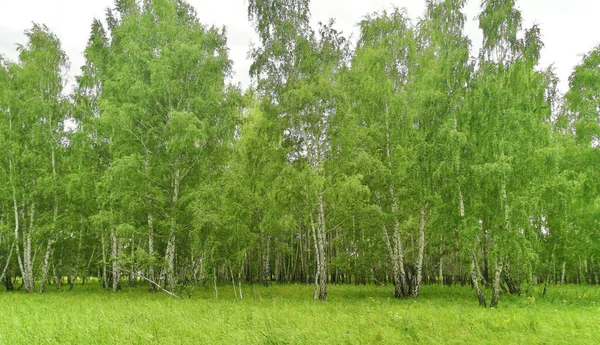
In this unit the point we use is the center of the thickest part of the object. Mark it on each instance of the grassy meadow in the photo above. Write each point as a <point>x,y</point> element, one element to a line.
<point>287,315</point>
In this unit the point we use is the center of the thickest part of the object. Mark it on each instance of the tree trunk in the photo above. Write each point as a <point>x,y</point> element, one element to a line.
<point>150,220</point>
<point>17,236</point>
<point>475,281</point>
<point>322,254</point>
<point>421,246</point>
<point>512,288</point>
<point>78,258</point>
<point>497,282</point>
<point>114,252</point>
<point>266,260</point>
<point>499,262</point>
<point>233,282</point>
<point>57,274</point>
<point>168,275</point>
<point>215,283</point>
<point>28,280</point>
<point>441,265</point>
<point>550,263</point>
<point>46,266</point>
<point>486,264</point>
<point>396,252</point>
<point>5,277</point>
<point>8,281</point>
<point>579,274</point>
<point>151,287</point>
<point>395,249</point>
<point>318,232</point>
<point>132,275</point>
<point>104,263</point>
<point>87,268</point>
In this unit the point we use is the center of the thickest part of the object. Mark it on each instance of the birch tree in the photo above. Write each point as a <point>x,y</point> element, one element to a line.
<point>163,102</point>
<point>296,68</point>
<point>35,114</point>
<point>381,109</point>
<point>508,114</point>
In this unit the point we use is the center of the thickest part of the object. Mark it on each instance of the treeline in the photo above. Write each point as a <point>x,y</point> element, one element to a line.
<point>397,160</point>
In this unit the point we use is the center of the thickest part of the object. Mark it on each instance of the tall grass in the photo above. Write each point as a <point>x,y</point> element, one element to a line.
<point>287,315</point>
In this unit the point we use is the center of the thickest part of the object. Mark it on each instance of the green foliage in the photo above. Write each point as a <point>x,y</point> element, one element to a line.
<point>400,149</point>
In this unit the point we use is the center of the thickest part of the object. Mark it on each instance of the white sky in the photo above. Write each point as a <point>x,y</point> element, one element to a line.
<point>569,28</point>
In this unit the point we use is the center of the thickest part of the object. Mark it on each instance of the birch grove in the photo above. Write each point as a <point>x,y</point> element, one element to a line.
<point>401,157</point>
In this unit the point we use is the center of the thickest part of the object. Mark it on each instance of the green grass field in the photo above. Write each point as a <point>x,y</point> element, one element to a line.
<point>287,315</point>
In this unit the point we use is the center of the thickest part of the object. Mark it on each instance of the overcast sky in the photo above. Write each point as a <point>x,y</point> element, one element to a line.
<point>569,28</point>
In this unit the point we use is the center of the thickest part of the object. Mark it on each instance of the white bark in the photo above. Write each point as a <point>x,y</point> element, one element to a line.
<point>393,255</point>
<point>322,254</point>
<point>78,258</point>
<point>496,286</point>
<point>150,220</point>
<point>169,269</point>
<point>17,236</point>
<point>152,286</point>
<point>12,247</point>
<point>550,263</point>
<point>132,274</point>
<point>395,247</point>
<point>114,251</point>
<point>441,271</point>
<point>266,260</point>
<point>475,281</point>
<point>104,273</point>
<point>317,273</point>
<point>46,266</point>
<point>28,280</point>
<point>421,248</point>
<point>215,283</point>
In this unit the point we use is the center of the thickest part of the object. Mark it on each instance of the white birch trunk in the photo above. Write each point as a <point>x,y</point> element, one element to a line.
<point>499,262</point>
<point>266,260</point>
<point>114,251</point>
<point>322,253</point>
<point>17,236</point>
<point>475,281</point>
<point>46,266</point>
<point>169,271</point>
<point>398,277</point>
<point>28,280</point>
<point>496,286</point>
<point>421,247</point>
<point>441,271</point>
<point>150,220</point>
<point>550,264</point>
<point>317,257</point>
<point>78,258</point>
<point>395,248</point>
<point>151,287</point>
<point>132,275</point>
<point>104,273</point>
